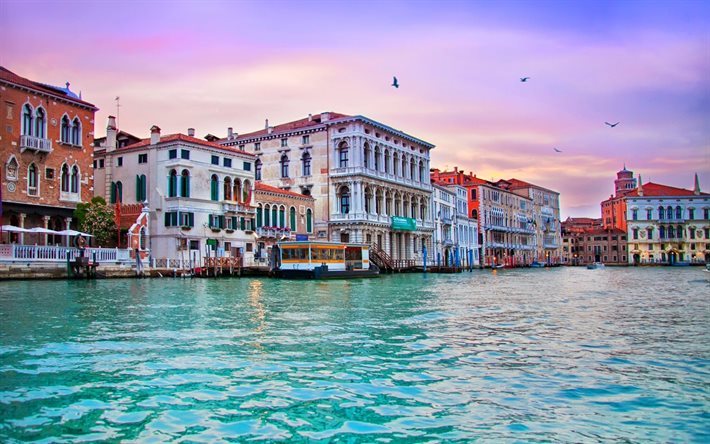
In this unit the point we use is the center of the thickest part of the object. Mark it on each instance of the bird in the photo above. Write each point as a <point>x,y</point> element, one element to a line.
<point>524,79</point>
<point>559,151</point>
<point>612,125</point>
<point>395,83</point>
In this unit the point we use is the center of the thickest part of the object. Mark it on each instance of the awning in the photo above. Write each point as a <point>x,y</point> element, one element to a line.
<point>14,229</point>
<point>73,233</point>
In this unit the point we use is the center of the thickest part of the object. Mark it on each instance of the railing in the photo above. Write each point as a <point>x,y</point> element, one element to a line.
<point>46,253</point>
<point>274,232</point>
<point>35,144</point>
<point>351,171</point>
<point>237,207</point>
<point>381,258</point>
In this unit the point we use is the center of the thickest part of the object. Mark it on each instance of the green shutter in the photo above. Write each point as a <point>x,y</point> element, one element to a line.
<point>112,199</point>
<point>242,224</point>
<point>258,217</point>
<point>234,222</point>
<point>191,219</point>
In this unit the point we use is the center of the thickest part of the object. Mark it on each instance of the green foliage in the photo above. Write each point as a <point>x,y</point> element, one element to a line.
<point>97,218</point>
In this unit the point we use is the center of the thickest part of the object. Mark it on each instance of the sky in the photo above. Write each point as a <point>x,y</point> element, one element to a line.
<point>215,64</point>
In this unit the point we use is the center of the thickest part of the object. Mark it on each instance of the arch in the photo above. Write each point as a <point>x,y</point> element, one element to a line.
<point>257,169</point>
<point>172,184</point>
<point>275,215</point>
<point>11,168</point>
<point>403,167</point>
<point>64,178</point>
<point>27,119</point>
<point>678,213</point>
<point>377,158</point>
<point>309,221</point>
<point>661,213</point>
<point>671,232</point>
<point>185,183</point>
<point>343,150</point>
<point>421,171</point>
<point>344,199</point>
<point>474,214</point>
<point>214,187</point>
<point>32,180</point>
<point>669,212</point>
<point>306,164</point>
<point>65,133</point>
<point>412,169</point>
<point>282,216</point>
<point>40,123</point>
<point>246,191</point>
<point>267,215</point>
<point>368,200</point>
<point>292,219</point>
<point>76,131</point>
<point>227,188</point>
<point>284,165</point>
<point>237,190</point>
<point>387,161</point>
<point>396,170</point>
<point>679,231</point>
<point>661,232</point>
<point>75,179</point>
<point>259,211</point>
<point>366,155</point>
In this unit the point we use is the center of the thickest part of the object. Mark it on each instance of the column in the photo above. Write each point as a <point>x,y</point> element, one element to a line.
<point>46,225</point>
<point>22,225</point>
<point>67,221</point>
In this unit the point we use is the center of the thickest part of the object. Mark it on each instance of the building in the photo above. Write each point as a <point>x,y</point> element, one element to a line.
<point>370,181</point>
<point>198,194</point>
<point>465,229</point>
<point>546,220</point>
<point>280,215</point>
<point>585,241</point>
<point>46,135</point>
<point>443,253</point>
<point>571,229</point>
<point>667,224</point>
<point>614,208</point>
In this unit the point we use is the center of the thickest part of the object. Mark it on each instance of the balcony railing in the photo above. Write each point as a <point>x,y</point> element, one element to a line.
<point>47,253</point>
<point>351,171</point>
<point>35,144</point>
<point>237,207</point>
<point>275,232</point>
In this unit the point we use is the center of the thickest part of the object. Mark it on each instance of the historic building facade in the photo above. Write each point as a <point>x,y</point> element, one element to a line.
<point>668,224</point>
<point>370,182</point>
<point>46,136</point>
<point>614,208</point>
<point>199,194</point>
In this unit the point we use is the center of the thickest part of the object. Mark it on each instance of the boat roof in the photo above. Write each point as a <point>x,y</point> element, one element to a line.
<point>342,244</point>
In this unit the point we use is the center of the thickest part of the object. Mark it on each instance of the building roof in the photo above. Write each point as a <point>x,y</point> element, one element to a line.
<point>296,125</point>
<point>184,138</point>
<point>516,184</point>
<point>63,93</point>
<point>269,189</point>
<point>651,189</point>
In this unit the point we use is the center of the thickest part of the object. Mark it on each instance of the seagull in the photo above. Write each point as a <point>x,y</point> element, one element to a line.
<point>524,79</point>
<point>394,82</point>
<point>559,151</point>
<point>612,125</point>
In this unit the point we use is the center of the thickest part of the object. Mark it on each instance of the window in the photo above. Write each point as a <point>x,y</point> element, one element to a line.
<point>64,179</point>
<point>75,177</point>
<point>284,143</point>
<point>228,188</point>
<point>185,183</point>
<point>172,154</point>
<point>185,154</point>
<point>691,213</point>
<point>309,221</point>
<point>706,213</point>
<point>119,161</point>
<point>215,160</point>
<point>247,166</point>
<point>214,187</point>
<point>186,219</point>
<point>27,120</point>
<point>116,192</point>
<point>101,163</point>
<point>306,159</point>
<point>366,156</point>
<point>257,146</point>
<point>65,130</point>
<point>387,161</point>
<point>76,132</point>
<point>143,158</point>
<point>691,233</point>
<point>172,184</point>
<point>634,214</point>
<point>39,123</point>
<point>32,180</point>
<point>49,173</point>
<point>649,233</point>
<point>305,140</point>
<point>678,213</point>
<point>636,233</point>
<point>649,214</point>
<point>227,162</point>
<point>284,166</point>
<point>257,169</point>
<point>292,217</point>
<point>474,214</point>
<point>343,157</point>
<point>344,200</point>
<point>141,188</point>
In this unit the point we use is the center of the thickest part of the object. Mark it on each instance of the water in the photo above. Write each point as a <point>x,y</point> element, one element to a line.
<point>567,355</point>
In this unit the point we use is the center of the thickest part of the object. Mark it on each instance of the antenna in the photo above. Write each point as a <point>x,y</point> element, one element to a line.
<point>118,106</point>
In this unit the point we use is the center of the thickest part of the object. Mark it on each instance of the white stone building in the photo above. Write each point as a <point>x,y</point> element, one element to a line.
<point>370,181</point>
<point>667,225</point>
<point>443,253</point>
<point>199,193</point>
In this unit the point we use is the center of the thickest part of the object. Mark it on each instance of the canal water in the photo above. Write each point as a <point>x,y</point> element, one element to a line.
<point>565,354</point>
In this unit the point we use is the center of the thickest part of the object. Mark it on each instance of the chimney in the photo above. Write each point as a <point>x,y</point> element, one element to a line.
<point>230,133</point>
<point>456,169</point>
<point>111,132</point>
<point>696,189</point>
<point>191,132</point>
<point>269,129</point>
<point>324,117</point>
<point>154,135</point>
<point>310,117</point>
<point>266,124</point>
<point>640,187</point>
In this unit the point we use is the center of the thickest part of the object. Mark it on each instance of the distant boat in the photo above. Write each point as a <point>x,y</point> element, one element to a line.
<point>324,260</point>
<point>495,267</point>
<point>595,265</point>
<point>537,264</point>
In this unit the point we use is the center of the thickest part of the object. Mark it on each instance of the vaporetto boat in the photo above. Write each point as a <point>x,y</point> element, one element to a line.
<point>323,260</point>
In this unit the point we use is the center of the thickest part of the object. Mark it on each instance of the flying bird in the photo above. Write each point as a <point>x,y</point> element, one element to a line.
<point>612,125</point>
<point>395,83</point>
<point>559,151</point>
<point>524,79</point>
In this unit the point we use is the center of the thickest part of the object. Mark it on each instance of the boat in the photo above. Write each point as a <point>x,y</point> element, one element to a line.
<point>595,266</point>
<point>537,264</point>
<point>323,260</point>
<point>707,267</point>
<point>498,267</point>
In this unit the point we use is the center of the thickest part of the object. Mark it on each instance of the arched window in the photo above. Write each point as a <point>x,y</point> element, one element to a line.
<point>421,171</point>
<point>141,188</point>
<point>116,192</point>
<point>635,232</point>
<point>172,184</point>
<point>368,198</point>
<point>282,217</point>
<point>306,160</point>
<point>474,214</point>
<point>678,213</point>
<point>292,217</point>
<point>661,214</point>
<point>64,178</point>
<point>669,212</point>
<point>259,211</point>
<point>661,232</point>
<point>12,168</point>
<point>66,128</point>
<point>344,200</point>
<point>267,215</point>
<point>671,232</point>
<point>257,169</point>
<point>649,233</point>
<point>32,180</point>
<point>237,190</point>
<point>27,120</point>
<point>275,215</point>
<point>227,188</point>
<point>412,170</point>
<point>403,167</point>
<point>75,177</point>
<point>214,187</point>
<point>309,221</point>
<point>40,123</point>
<point>366,156</point>
<point>377,158</point>
<point>343,155</point>
<point>679,231</point>
<point>76,132</point>
<point>284,166</point>
<point>246,192</point>
<point>185,183</point>
<point>396,170</point>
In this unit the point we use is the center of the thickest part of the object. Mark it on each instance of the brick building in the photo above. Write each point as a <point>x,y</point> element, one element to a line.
<point>46,135</point>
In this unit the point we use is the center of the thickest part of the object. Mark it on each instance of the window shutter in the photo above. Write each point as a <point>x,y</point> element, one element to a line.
<point>191,219</point>
<point>138,188</point>
<point>221,221</point>
<point>113,192</point>
<point>234,222</point>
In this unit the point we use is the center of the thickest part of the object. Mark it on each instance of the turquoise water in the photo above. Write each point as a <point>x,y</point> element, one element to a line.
<point>566,355</point>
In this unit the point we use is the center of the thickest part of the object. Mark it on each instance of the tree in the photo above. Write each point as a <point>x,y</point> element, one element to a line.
<point>96,218</point>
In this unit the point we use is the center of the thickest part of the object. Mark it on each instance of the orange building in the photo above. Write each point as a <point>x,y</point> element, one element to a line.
<point>614,208</point>
<point>46,135</point>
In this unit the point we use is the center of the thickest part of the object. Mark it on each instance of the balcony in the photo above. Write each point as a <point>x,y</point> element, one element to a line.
<point>358,170</point>
<point>237,207</point>
<point>37,144</point>
<point>446,221</point>
<point>273,232</point>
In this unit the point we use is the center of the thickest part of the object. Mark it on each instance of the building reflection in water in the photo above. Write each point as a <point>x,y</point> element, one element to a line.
<point>256,295</point>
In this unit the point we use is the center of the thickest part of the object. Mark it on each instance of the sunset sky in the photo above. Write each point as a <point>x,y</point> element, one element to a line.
<point>215,64</point>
